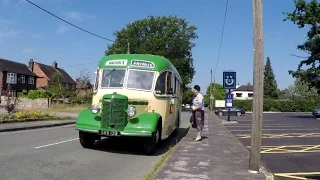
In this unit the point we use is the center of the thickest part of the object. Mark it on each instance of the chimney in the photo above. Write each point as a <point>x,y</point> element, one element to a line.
<point>31,64</point>
<point>54,64</point>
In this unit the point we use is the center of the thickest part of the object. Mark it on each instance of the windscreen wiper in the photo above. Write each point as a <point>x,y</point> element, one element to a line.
<point>108,74</point>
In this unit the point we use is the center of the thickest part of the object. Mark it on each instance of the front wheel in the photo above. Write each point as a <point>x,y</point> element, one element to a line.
<point>87,140</point>
<point>220,113</point>
<point>150,145</point>
<point>238,113</point>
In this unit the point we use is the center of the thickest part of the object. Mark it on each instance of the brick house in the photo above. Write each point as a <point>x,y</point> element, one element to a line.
<point>46,72</point>
<point>83,87</point>
<point>15,77</point>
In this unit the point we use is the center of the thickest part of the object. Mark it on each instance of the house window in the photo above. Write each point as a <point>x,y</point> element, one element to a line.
<point>67,85</point>
<point>250,94</point>
<point>11,78</point>
<point>238,94</point>
<point>11,93</point>
<point>31,80</point>
<point>22,79</point>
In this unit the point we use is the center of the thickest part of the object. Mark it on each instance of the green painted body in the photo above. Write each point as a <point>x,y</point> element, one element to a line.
<point>160,63</point>
<point>113,115</point>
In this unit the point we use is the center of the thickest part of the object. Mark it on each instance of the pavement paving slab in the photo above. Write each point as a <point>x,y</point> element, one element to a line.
<point>218,156</point>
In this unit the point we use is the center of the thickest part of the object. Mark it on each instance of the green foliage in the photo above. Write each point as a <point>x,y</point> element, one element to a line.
<point>23,116</point>
<point>218,92</point>
<point>87,98</point>
<point>300,91</point>
<point>34,94</point>
<point>270,83</point>
<point>306,14</point>
<point>281,105</point>
<point>187,96</point>
<point>56,85</point>
<point>167,36</point>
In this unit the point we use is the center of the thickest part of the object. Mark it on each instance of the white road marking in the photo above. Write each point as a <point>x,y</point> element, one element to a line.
<point>231,126</point>
<point>277,129</point>
<point>56,143</point>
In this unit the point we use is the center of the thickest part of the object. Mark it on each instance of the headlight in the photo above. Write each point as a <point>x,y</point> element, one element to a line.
<point>131,111</point>
<point>95,109</point>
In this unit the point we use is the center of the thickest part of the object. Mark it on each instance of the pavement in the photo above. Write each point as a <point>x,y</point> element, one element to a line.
<point>290,143</point>
<point>218,156</point>
<point>55,153</point>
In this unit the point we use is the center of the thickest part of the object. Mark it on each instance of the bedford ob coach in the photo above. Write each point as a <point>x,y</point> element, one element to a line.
<point>135,95</point>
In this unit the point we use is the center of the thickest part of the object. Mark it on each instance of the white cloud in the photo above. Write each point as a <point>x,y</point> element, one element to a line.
<point>78,16</point>
<point>62,29</point>
<point>35,36</point>
<point>6,31</point>
<point>29,50</point>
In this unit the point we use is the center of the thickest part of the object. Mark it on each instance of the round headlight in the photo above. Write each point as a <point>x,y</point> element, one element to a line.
<point>95,109</point>
<point>131,111</point>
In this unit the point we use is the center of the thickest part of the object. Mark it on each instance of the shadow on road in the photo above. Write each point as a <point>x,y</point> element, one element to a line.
<point>135,146</point>
<point>300,116</point>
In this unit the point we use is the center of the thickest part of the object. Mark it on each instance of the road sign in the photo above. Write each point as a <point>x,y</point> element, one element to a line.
<point>229,80</point>
<point>229,100</point>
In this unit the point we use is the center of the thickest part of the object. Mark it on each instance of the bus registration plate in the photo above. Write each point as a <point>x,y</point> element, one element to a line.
<point>110,133</point>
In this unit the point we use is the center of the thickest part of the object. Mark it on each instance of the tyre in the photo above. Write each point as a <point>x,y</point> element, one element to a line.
<point>150,145</point>
<point>238,113</point>
<point>87,140</point>
<point>220,113</point>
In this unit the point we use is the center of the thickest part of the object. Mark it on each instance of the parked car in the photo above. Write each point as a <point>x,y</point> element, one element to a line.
<point>233,111</point>
<point>316,112</point>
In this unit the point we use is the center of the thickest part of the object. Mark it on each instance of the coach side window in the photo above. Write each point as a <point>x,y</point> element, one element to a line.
<point>161,83</point>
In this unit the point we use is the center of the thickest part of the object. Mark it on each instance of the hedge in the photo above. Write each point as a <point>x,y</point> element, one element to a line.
<point>34,94</point>
<point>281,105</point>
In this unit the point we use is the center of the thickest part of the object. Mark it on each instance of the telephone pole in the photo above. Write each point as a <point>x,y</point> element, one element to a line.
<point>258,66</point>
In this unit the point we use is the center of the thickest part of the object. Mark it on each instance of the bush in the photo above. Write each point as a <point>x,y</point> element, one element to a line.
<point>34,94</point>
<point>23,116</point>
<point>281,105</point>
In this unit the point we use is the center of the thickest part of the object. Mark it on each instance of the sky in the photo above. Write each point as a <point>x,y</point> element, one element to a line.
<point>28,32</point>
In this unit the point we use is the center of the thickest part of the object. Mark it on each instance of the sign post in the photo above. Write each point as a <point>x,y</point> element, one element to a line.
<point>229,82</point>
<point>211,103</point>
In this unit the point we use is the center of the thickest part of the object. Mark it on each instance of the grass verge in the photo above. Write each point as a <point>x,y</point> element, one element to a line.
<point>159,163</point>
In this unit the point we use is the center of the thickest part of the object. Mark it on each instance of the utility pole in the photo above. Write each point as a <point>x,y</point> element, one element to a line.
<point>211,94</point>
<point>257,114</point>
<point>128,48</point>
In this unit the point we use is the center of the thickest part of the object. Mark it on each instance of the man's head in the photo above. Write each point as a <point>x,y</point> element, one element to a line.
<point>196,89</point>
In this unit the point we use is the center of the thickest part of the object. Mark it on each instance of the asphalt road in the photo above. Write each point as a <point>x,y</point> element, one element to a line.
<point>55,153</point>
<point>290,143</point>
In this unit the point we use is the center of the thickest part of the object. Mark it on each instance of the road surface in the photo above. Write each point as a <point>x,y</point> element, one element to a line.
<point>55,153</point>
<point>290,143</point>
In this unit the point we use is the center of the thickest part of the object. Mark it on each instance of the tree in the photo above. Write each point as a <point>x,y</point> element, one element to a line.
<point>167,36</point>
<point>218,92</point>
<point>56,85</point>
<point>270,83</point>
<point>300,91</point>
<point>307,14</point>
<point>187,96</point>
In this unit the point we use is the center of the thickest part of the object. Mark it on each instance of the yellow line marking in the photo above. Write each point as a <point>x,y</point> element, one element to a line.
<point>272,149</point>
<point>289,149</point>
<point>296,175</point>
<point>287,135</point>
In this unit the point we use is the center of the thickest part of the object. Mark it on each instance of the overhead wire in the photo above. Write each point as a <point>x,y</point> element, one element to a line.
<point>69,22</point>
<point>220,47</point>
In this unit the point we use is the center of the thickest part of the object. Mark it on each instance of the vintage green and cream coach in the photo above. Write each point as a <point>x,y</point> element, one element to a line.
<point>135,95</point>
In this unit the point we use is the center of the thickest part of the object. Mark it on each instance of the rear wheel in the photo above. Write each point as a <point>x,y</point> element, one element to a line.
<point>150,145</point>
<point>87,140</point>
<point>238,113</point>
<point>220,113</point>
